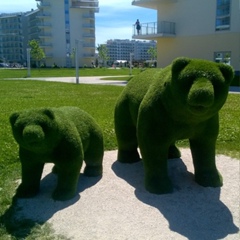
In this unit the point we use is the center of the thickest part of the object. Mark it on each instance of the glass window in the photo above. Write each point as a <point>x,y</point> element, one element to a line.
<point>222,57</point>
<point>223,15</point>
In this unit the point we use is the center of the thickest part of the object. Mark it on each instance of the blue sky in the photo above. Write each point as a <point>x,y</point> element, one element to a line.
<point>114,20</point>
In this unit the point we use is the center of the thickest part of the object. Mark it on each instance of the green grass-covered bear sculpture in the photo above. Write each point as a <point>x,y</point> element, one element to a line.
<point>159,107</point>
<point>64,136</point>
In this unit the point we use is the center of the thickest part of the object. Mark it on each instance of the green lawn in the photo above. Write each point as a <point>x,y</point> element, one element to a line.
<point>97,100</point>
<point>65,72</point>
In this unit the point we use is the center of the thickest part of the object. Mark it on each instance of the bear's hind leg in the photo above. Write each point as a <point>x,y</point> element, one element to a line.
<point>126,135</point>
<point>93,156</point>
<point>173,152</point>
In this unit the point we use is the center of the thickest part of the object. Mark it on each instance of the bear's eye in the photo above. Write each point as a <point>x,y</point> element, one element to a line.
<point>185,82</point>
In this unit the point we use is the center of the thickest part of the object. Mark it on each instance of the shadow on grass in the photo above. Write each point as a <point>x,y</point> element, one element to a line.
<point>191,210</point>
<point>25,214</point>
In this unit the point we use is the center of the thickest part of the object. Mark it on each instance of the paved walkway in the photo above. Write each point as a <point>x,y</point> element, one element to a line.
<point>117,206</point>
<point>97,80</point>
<point>85,80</point>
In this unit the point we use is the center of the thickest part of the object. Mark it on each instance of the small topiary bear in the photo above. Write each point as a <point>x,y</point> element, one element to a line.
<point>159,107</point>
<point>64,136</point>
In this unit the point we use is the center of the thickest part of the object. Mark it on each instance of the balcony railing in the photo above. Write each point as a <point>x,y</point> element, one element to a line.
<point>45,35</point>
<point>41,5</point>
<point>89,35</point>
<point>89,25</point>
<point>89,45</point>
<point>44,24</point>
<point>154,29</point>
<point>152,4</point>
<point>45,14</point>
<point>86,4</point>
<point>88,15</point>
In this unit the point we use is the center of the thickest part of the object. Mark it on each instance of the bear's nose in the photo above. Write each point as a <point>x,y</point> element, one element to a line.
<point>201,94</point>
<point>33,134</point>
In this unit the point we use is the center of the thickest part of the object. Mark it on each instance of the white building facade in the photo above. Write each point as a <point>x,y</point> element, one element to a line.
<point>208,29</point>
<point>64,28</point>
<point>13,31</point>
<point>120,49</point>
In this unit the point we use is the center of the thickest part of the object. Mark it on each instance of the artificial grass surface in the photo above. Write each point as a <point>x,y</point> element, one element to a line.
<point>65,72</point>
<point>97,100</point>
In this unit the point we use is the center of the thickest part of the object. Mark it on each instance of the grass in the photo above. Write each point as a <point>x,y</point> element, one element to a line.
<point>97,100</point>
<point>65,72</point>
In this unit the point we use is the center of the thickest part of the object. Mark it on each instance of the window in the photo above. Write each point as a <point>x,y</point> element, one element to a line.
<point>222,57</point>
<point>223,15</point>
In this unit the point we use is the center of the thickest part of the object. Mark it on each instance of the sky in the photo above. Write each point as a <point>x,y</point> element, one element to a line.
<point>114,21</point>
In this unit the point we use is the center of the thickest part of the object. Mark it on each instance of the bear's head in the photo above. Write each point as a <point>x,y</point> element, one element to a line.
<point>35,129</point>
<point>200,86</point>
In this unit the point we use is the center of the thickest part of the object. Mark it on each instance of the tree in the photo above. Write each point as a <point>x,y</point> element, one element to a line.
<point>152,51</point>
<point>37,53</point>
<point>102,52</point>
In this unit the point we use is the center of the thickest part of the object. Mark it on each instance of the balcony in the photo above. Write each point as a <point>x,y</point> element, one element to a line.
<point>89,25</point>
<point>88,55</point>
<point>153,4</point>
<point>155,30</point>
<point>45,35</point>
<point>46,45</point>
<point>86,4</point>
<point>43,5</point>
<point>43,15</point>
<point>88,16</point>
<point>44,25</point>
<point>88,45</point>
<point>89,35</point>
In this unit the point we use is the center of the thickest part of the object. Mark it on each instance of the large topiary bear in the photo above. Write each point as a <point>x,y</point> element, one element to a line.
<point>159,107</point>
<point>64,136</point>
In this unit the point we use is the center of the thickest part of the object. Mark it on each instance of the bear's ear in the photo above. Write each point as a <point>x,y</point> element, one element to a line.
<point>49,113</point>
<point>179,64</point>
<point>13,118</point>
<point>227,72</point>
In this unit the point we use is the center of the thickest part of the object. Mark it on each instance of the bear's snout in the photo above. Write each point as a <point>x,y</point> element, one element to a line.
<point>33,134</point>
<point>201,94</point>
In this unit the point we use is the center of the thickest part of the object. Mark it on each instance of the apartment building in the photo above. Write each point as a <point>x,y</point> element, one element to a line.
<point>64,29</point>
<point>120,49</point>
<point>65,26</point>
<point>13,29</point>
<point>192,28</point>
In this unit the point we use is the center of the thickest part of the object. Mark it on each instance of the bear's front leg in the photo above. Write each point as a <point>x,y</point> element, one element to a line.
<point>154,150</point>
<point>31,176</point>
<point>156,170</point>
<point>68,175</point>
<point>203,153</point>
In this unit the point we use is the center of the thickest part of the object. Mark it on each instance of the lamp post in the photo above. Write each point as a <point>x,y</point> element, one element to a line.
<point>28,62</point>
<point>76,61</point>
<point>130,67</point>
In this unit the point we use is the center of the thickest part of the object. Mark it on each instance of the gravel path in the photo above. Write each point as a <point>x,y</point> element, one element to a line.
<point>117,207</point>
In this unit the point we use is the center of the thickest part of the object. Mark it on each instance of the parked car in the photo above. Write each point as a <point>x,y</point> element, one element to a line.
<point>4,65</point>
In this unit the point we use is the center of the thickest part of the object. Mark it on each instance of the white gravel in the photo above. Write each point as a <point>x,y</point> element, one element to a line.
<point>117,207</point>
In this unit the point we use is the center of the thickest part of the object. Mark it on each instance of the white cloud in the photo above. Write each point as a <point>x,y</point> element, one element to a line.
<point>17,6</point>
